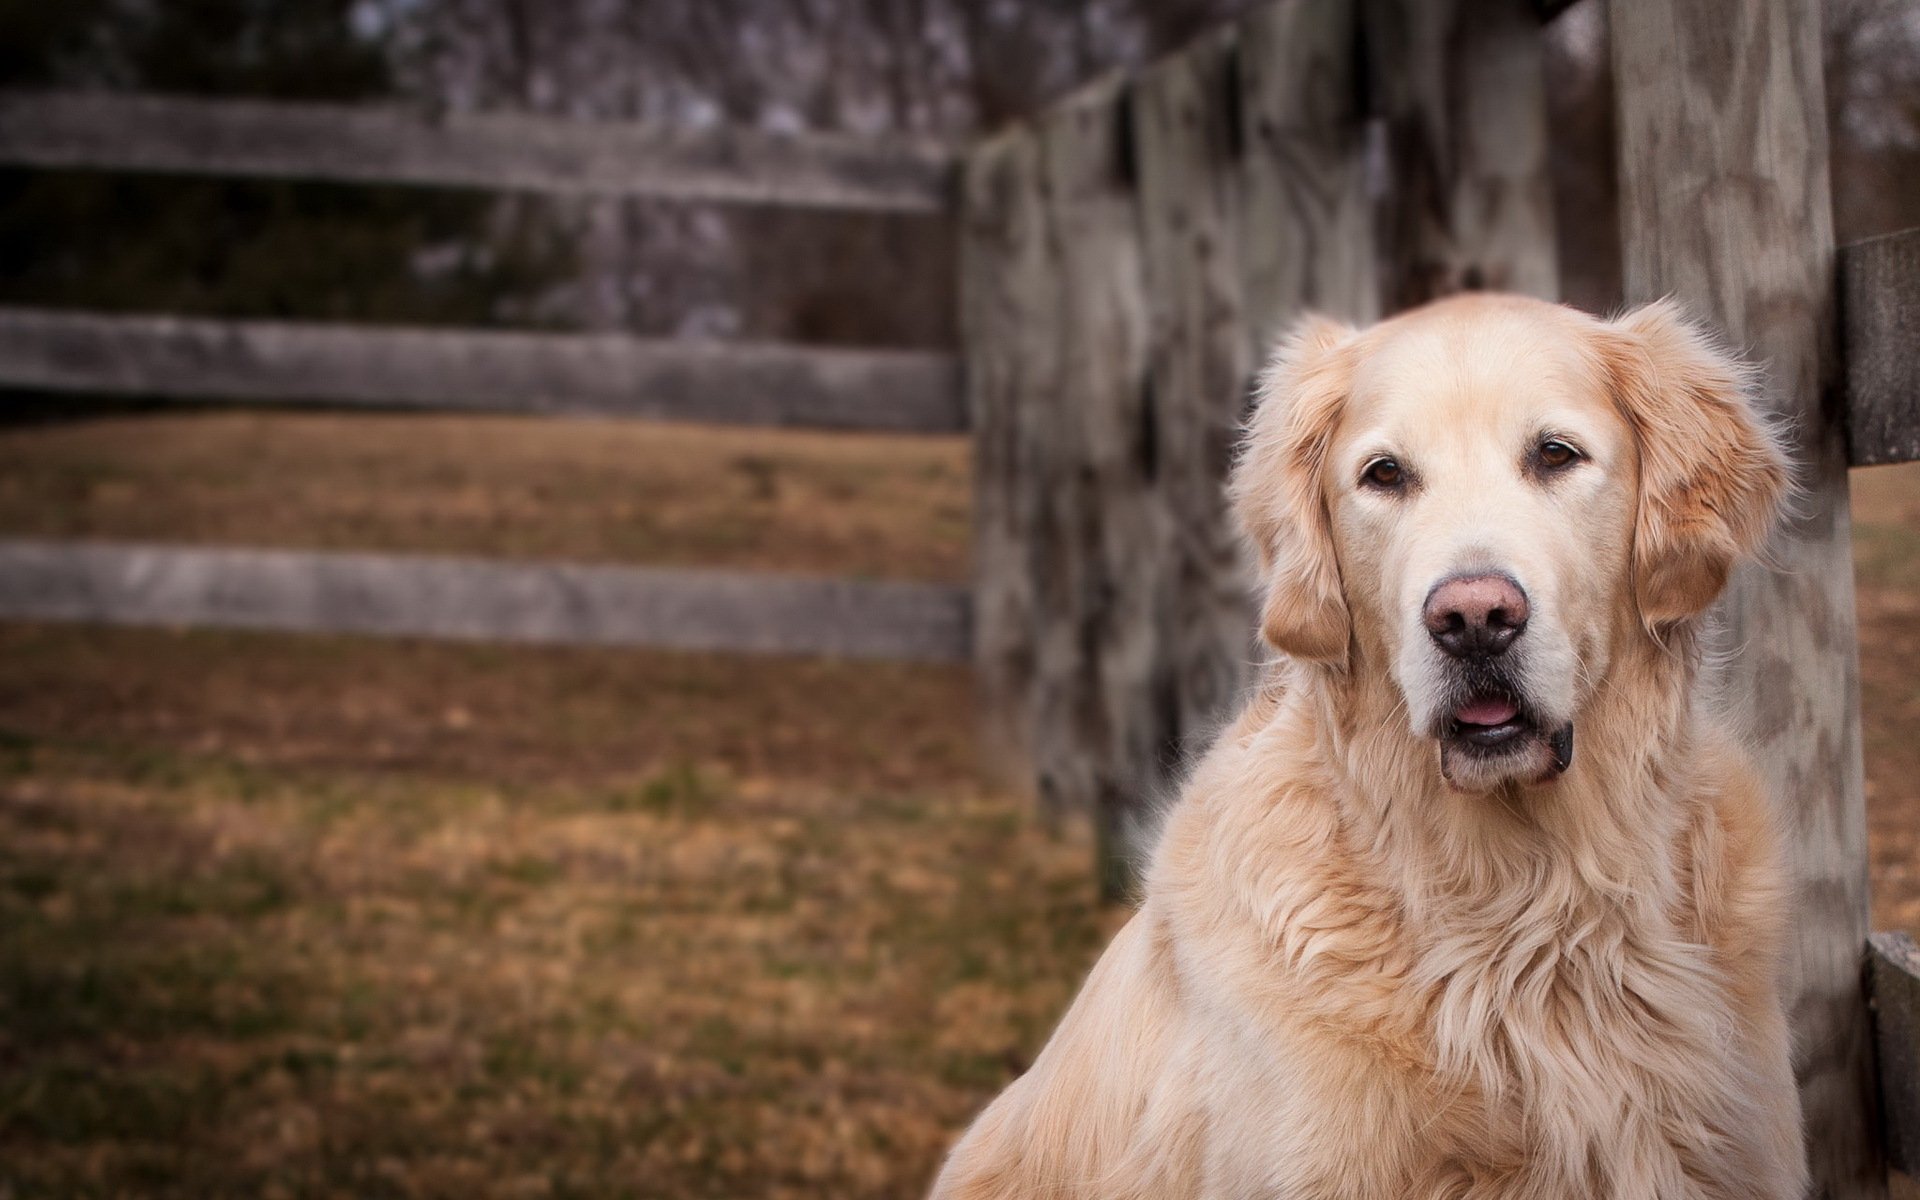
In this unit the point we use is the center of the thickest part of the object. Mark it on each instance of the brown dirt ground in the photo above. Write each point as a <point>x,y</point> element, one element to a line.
<point>287,916</point>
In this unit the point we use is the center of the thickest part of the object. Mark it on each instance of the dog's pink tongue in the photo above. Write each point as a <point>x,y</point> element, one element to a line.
<point>1485,712</point>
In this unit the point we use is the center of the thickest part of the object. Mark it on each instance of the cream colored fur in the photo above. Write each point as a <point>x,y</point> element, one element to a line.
<point>1349,978</point>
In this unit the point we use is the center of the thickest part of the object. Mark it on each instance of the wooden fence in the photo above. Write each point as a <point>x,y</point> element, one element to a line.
<point>1128,252</point>
<point>530,373</point>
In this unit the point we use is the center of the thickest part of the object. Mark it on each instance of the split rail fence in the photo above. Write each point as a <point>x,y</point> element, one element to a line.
<point>1126,254</point>
<point>531,373</point>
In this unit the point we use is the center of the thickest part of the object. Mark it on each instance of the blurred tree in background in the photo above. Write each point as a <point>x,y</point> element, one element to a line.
<point>136,242</point>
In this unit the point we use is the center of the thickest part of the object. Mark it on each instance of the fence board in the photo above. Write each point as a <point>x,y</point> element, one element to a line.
<point>472,599</point>
<point>1724,199</point>
<point>489,372</point>
<point>1188,146</point>
<point>1308,241</point>
<point>1008,297</point>
<point>1093,545</point>
<point>1879,300</point>
<point>1894,970</point>
<point>1459,84</point>
<point>364,144</point>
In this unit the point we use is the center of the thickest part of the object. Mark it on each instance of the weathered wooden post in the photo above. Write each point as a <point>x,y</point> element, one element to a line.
<point>1307,239</point>
<point>1253,210</point>
<point>1098,737</point>
<point>1187,139</point>
<point>1008,297</point>
<point>1458,84</point>
<point>1724,199</point>
<point>1055,325</point>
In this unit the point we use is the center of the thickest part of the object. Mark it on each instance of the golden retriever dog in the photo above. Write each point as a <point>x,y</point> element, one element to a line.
<point>1474,898</point>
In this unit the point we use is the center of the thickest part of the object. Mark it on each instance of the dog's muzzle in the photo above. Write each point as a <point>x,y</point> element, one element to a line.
<point>1488,732</point>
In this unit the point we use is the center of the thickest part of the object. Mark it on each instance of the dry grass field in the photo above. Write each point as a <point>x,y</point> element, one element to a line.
<point>303,916</point>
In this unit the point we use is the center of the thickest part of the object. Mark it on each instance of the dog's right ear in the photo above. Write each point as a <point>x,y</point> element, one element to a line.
<point>1276,491</point>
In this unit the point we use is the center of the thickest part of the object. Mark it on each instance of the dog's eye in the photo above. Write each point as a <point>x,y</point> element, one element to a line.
<point>1384,473</point>
<point>1553,454</point>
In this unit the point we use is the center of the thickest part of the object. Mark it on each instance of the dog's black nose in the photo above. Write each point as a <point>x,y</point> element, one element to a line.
<point>1476,616</point>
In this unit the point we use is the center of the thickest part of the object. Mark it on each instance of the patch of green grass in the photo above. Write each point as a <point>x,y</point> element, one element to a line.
<point>680,790</point>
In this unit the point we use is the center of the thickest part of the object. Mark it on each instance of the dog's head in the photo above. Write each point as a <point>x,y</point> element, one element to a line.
<point>1484,497</point>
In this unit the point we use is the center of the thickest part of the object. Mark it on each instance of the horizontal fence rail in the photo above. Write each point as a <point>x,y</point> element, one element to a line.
<point>478,600</point>
<point>368,144</point>
<point>1880,329</point>
<point>588,374</point>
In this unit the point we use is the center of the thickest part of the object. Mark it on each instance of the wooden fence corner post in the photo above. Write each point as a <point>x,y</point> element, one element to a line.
<point>1725,205</point>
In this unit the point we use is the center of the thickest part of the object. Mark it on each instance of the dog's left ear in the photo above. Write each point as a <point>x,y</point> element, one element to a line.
<point>1712,474</point>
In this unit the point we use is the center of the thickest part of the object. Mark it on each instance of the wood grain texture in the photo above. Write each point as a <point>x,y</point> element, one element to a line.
<point>364,144</point>
<point>471,599</point>
<point>607,375</point>
<point>1008,301</point>
<point>1471,206</point>
<point>1307,240</point>
<point>1095,519</point>
<point>1188,147</point>
<point>1894,973</point>
<point>1723,162</point>
<point>1880,336</point>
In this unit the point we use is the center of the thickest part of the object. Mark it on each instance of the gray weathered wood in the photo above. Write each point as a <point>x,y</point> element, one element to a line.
<point>1093,543</point>
<point>1723,165</point>
<point>470,599</point>
<point>1307,241</point>
<point>1880,331</point>
<point>1894,974</point>
<point>1471,206</point>
<point>729,382</point>
<point>364,144</point>
<point>1188,147</point>
<point>1008,301</point>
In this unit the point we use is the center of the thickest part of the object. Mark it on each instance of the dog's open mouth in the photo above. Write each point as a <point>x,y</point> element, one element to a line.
<point>1488,723</point>
<point>1491,735</point>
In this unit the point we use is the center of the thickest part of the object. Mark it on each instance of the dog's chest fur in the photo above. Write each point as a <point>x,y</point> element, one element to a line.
<point>1536,1040</point>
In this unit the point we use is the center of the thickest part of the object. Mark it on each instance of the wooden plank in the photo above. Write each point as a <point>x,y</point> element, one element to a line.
<point>1187,125</point>
<point>1724,199</point>
<point>1307,243</point>
<point>612,375</point>
<point>1008,298</point>
<point>1893,965</point>
<point>365,144</point>
<point>1880,333</point>
<point>1092,546</point>
<point>1471,207</point>
<point>479,600</point>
